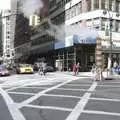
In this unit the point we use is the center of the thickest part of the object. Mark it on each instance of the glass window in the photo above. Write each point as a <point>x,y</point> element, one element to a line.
<point>67,14</point>
<point>118,6</point>
<point>117,26</point>
<point>73,12</point>
<point>104,24</point>
<point>79,8</point>
<point>88,5</point>
<point>103,4</point>
<point>111,5</point>
<point>96,4</point>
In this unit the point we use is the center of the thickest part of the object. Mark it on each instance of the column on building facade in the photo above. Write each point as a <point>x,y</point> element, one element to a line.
<point>100,4</point>
<point>84,6</point>
<point>107,4</point>
<point>92,5</point>
<point>114,25</point>
<point>114,3</point>
<point>100,25</point>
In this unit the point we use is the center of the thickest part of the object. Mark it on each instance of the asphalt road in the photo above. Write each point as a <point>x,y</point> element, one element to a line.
<point>58,97</point>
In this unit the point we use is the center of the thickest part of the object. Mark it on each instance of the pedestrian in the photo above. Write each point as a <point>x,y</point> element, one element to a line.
<point>44,68</point>
<point>40,69</point>
<point>94,72</point>
<point>74,69</point>
<point>77,68</point>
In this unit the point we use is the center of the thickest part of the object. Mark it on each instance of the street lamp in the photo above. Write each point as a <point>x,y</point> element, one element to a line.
<point>110,38</point>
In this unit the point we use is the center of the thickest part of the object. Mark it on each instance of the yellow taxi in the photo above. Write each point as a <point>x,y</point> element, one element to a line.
<point>24,68</point>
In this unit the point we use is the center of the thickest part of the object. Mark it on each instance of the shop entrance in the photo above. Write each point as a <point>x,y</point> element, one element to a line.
<point>84,54</point>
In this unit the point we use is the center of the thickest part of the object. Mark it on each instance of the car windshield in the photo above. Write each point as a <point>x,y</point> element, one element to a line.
<point>25,65</point>
<point>2,68</point>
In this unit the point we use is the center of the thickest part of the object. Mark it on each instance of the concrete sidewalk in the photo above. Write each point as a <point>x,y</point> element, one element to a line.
<point>81,74</point>
<point>89,74</point>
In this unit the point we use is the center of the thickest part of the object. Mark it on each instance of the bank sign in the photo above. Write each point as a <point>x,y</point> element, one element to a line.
<point>75,39</point>
<point>82,40</point>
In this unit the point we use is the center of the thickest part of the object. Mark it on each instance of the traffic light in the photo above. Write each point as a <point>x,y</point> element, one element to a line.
<point>34,20</point>
<point>106,30</point>
<point>111,22</point>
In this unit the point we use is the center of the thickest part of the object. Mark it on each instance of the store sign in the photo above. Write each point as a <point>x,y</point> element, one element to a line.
<point>75,39</point>
<point>69,41</point>
<point>106,44</point>
<point>82,40</point>
<point>59,44</point>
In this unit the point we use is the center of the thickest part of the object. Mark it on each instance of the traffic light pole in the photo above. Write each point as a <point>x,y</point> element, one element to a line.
<point>110,39</point>
<point>110,19</point>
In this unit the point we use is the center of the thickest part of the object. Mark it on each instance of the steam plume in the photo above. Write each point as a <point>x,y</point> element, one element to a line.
<point>30,7</point>
<point>62,31</point>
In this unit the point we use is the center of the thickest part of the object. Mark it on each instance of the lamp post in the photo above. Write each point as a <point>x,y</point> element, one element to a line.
<point>111,44</point>
<point>110,39</point>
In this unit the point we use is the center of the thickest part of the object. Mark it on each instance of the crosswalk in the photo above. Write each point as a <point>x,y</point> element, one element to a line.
<point>60,96</point>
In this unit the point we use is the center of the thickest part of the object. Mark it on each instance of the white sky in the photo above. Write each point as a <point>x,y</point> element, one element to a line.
<point>5,4</point>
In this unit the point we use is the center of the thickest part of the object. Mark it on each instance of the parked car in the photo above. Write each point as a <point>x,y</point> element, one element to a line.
<point>36,66</point>
<point>49,69</point>
<point>117,69</point>
<point>24,68</point>
<point>4,71</point>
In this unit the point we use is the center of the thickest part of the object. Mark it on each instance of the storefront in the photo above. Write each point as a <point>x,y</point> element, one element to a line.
<point>76,49</point>
<point>115,56</point>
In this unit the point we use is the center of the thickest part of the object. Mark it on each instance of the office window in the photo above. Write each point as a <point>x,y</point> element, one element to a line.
<point>59,4</point>
<point>118,6</point>
<point>117,26</point>
<point>96,4</point>
<point>88,5</point>
<point>103,4</point>
<point>104,24</point>
<point>79,8</point>
<point>67,1</point>
<point>111,5</point>
<point>73,11</point>
<point>67,14</point>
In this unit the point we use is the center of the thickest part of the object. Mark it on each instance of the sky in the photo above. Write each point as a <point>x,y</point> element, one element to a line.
<point>5,4</point>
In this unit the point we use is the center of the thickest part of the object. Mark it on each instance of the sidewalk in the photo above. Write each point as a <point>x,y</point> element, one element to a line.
<point>89,74</point>
<point>81,74</point>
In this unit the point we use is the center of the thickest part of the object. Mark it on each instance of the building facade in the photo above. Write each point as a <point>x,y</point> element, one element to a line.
<point>6,32</point>
<point>89,14</point>
<point>1,41</point>
<point>22,34</point>
<point>14,13</point>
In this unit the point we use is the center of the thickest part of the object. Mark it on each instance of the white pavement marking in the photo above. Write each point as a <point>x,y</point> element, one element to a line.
<point>15,112</point>
<point>92,98</point>
<point>40,87</point>
<point>49,107</point>
<point>81,104</point>
<point>22,104</point>
<point>101,112</point>
<point>22,93</point>
<point>71,89</point>
<point>111,86</point>
<point>64,96</point>
<point>111,82</point>
<point>35,82</point>
<point>78,85</point>
<point>105,99</point>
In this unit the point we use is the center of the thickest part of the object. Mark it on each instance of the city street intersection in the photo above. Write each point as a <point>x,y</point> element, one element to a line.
<point>58,96</point>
